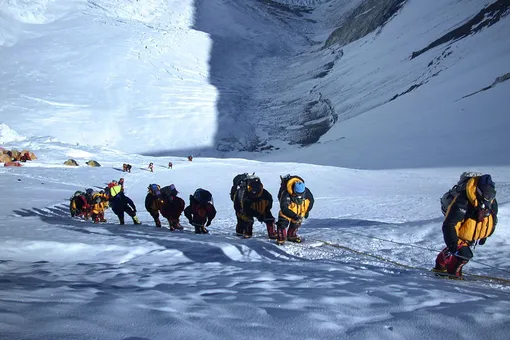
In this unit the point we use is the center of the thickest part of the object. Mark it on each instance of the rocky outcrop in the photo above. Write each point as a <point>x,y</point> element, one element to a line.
<point>366,18</point>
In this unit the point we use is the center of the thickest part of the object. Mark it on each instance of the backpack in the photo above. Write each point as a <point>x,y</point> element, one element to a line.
<point>169,191</point>
<point>458,188</point>
<point>154,189</point>
<point>283,183</point>
<point>202,196</point>
<point>77,194</point>
<point>240,181</point>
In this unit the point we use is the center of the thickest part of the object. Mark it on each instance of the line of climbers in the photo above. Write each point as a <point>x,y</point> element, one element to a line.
<point>252,201</point>
<point>200,212</point>
<point>92,204</point>
<point>470,210</point>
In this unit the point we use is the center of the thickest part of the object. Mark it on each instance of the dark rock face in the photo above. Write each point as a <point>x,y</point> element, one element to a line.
<point>485,18</point>
<point>366,18</point>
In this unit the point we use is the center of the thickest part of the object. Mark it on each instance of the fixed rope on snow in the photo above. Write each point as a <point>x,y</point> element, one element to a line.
<point>380,258</point>
<point>426,248</point>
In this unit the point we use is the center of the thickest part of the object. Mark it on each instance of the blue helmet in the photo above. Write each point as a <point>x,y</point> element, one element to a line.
<point>299,188</point>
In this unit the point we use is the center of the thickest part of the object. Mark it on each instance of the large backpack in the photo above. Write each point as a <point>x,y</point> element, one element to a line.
<point>154,189</point>
<point>169,191</point>
<point>240,181</point>
<point>77,194</point>
<point>283,183</point>
<point>458,188</point>
<point>202,196</point>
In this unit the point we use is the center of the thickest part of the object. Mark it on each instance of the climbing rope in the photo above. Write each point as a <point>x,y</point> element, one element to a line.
<point>382,259</point>
<point>425,248</point>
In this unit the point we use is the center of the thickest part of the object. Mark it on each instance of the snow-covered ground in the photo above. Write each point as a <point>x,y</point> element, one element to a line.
<point>65,278</point>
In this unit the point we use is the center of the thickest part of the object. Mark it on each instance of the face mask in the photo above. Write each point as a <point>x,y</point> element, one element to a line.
<point>299,199</point>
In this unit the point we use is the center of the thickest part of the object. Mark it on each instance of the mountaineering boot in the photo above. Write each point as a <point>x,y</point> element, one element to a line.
<point>200,229</point>
<point>440,272</point>
<point>454,268</point>
<point>456,262</point>
<point>441,260</point>
<point>240,228</point>
<point>174,225</point>
<point>121,220</point>
<point>248,230</point>
<point>271,231</point>
<point>292,235</point>
<point>136,220</point>
<point>158,222</point>
<point>282,235</point>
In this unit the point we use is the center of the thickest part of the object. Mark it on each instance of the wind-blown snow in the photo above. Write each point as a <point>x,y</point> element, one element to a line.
<point>8,135</point>
<point>66,278</point>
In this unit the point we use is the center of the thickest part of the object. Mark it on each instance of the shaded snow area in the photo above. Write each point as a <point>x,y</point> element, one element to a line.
<point>363,271</point>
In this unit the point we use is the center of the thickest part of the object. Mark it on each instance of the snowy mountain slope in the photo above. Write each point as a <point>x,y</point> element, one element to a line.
<point>384,98</point>
<point>63,277</point>
<point>258,70</point>
<point>107,73</point>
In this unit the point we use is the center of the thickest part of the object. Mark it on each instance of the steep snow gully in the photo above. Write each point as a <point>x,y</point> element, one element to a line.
<point>253,43</point>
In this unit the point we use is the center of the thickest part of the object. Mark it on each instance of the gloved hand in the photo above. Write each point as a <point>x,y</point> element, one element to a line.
<point>482,241</point>
<point>306,215</point>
